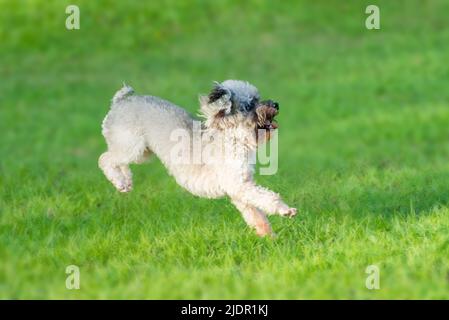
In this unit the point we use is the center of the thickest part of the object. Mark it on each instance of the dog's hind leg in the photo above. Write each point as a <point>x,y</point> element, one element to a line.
<point>128,176</point>
<point>254,218</point>
<point>112,169</point>
<point>116,167</point>
<point>126,171</point>
<point>125,147</point>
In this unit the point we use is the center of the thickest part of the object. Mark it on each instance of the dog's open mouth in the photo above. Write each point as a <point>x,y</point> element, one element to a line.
<point>269,124</point>
<point>266,112</point>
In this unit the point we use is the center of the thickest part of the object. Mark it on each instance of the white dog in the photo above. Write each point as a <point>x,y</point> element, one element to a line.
<point>235,122</point>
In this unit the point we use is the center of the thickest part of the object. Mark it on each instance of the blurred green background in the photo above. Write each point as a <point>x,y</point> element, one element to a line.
<point>363,138</point>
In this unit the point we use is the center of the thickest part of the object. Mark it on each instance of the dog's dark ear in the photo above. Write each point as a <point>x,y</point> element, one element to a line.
<point>217,93</point>
<point>219,101</point>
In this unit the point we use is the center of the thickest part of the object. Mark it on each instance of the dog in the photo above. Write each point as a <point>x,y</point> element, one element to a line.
<point>234,123</point>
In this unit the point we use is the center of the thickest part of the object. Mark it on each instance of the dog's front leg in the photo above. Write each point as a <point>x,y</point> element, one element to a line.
<point>254,218</point>
<point>262,198</point>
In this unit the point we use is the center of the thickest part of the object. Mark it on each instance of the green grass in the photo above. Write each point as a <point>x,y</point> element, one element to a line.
<point>364,150</point>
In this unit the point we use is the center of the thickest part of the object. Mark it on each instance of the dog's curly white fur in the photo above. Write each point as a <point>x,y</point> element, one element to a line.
<point>137,126</point>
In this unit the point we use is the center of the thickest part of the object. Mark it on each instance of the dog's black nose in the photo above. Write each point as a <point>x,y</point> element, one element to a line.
<point>276,105</point>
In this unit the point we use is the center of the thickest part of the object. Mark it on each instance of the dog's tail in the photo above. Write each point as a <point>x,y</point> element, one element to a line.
<point>124,92</point>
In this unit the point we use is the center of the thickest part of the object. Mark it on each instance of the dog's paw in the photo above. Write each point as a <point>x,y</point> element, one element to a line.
<point>288,212</point>
<point>125,188</point>
<point>263,229</point>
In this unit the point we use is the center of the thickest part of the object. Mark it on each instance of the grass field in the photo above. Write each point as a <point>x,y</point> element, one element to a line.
<point>363,139</point>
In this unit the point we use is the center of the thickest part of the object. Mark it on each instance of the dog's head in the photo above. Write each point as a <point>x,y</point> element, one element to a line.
<point>234,102</point>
